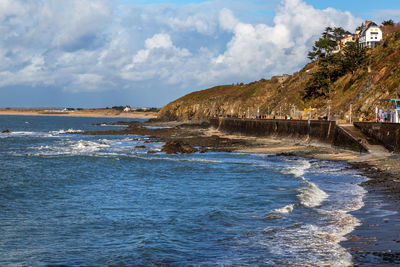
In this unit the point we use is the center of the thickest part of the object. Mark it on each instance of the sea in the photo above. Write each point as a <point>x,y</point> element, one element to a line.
<point>88,200</point>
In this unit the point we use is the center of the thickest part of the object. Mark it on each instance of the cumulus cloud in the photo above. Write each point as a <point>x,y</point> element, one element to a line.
<point>253,51</point>
<point>227,20</point>
<point>94,45</point>
<point>158,60</point>
<point>265,50</point>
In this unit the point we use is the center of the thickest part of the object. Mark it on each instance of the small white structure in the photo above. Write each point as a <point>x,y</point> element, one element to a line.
<point>370,35</point>
<point>127,109</point>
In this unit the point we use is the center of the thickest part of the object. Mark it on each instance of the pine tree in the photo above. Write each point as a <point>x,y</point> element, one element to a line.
<point>353,57</point>
<point>389,22</point>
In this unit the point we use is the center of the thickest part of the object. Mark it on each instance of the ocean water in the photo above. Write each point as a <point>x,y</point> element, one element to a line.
<point>74,200</point>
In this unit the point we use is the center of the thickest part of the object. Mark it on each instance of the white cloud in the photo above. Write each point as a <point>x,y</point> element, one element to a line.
<point>158,60</point>
<point>159,41</point>
<point>227,20</point>
<point>262,50</point>
<point>89,45</point>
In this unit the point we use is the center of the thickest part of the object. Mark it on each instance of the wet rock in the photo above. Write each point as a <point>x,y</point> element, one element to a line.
<point>140,147</point>
<point>175,147</point>
<point>286,154</point>
<point>6,131</point>
<point>152,152</point>
<point>204,150</point>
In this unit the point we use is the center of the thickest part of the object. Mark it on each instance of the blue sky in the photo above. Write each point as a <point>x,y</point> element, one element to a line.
<point>98,53</point>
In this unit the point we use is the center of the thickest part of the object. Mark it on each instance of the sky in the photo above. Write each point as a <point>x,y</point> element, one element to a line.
<point>102,53</point>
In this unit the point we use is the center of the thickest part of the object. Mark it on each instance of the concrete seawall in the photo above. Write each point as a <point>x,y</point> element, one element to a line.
<point>386,134</point>
<point>319,131</point>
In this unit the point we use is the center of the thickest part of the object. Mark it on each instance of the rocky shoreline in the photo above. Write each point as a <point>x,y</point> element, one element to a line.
<point>375,242</point>
<point>179,137</point>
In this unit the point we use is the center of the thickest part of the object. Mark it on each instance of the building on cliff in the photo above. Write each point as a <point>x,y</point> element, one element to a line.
<point>370,35</point>
<point>347,38</point>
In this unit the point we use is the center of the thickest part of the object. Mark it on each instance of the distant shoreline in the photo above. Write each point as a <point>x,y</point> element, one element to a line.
<point>107,113</point>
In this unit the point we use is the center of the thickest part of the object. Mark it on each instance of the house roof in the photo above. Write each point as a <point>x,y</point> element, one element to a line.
<point>368,25</point>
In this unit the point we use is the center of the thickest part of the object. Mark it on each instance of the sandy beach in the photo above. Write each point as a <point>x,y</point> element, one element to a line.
<point>110,113</point>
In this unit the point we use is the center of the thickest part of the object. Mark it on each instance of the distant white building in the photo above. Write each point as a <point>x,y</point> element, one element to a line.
<point>370,35</point>
<point>127,109</point>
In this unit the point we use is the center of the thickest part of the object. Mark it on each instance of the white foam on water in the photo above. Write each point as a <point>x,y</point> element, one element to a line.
<point>316,241</point>
<point>69,147</point>
<point>62,131</point>
<point>285,210</point>
<point>306,245</point>
<point>110,125</point>
<point>202,160</point>
<point>26,134</point>
<point>299,169</point>
<point>88,146</point>
<point>99,147</point>
<point>311,195</point>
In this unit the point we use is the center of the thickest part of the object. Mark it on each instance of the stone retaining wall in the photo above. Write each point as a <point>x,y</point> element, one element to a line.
<point>387,134</point>
<point>321,131</point>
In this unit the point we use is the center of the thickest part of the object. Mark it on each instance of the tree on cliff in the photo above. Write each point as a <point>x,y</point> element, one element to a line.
<point>326,43</point>
<point>353,57</point>
<point>389,22</point>
<point>332,66</point>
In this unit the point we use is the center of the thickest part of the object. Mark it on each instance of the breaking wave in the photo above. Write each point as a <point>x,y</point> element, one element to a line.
<point>311,195</point>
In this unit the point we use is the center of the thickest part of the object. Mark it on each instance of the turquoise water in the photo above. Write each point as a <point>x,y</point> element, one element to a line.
<point>75,200</point>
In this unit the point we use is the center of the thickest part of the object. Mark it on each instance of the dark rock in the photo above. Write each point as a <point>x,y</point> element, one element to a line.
<point>135,125</point>
<point>152,152</point>
<point>6,131</point>
<point>175,147</point>
<point>204,150</point>
<point>140,147</point>
<point>286,154</point>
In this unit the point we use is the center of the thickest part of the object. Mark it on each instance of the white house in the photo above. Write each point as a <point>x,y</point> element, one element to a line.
<point>127,109</point>
<point>370,35</point>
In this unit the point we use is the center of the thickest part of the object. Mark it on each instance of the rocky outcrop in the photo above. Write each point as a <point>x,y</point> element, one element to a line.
<point>176,147</point>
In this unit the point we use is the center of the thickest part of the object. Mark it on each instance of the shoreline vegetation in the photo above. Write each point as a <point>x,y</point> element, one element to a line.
<point>101,112</point>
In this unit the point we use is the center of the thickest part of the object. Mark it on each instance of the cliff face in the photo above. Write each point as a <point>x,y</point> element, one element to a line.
<point>364,89</point>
